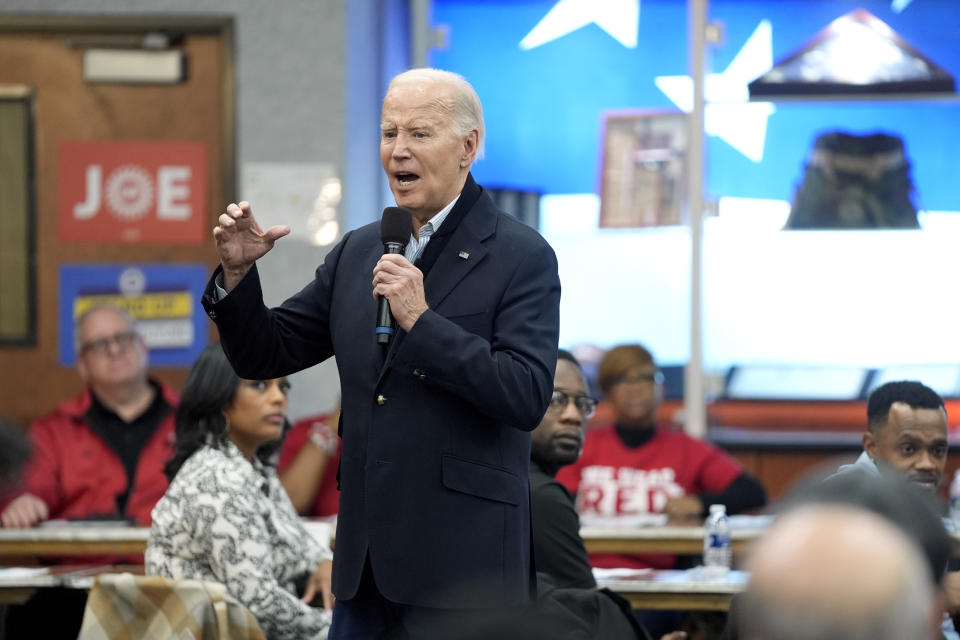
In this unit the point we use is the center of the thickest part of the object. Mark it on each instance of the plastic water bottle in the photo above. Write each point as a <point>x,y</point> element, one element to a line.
<point>717,553</point>
<point>955,500</point>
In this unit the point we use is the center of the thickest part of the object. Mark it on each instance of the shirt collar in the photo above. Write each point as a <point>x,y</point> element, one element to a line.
<point>441,215</point>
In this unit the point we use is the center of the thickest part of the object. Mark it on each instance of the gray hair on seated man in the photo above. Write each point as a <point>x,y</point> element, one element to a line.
<point>834,571</point>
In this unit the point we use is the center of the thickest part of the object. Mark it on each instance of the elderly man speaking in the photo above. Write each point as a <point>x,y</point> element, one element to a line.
<point>434,508</point>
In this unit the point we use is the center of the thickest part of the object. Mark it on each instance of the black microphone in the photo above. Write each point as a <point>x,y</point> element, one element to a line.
<point>396,226</point>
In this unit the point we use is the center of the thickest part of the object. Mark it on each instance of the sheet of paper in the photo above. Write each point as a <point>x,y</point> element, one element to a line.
<point>626,522</point>
<point>621,574</point>
<point>16,573</point>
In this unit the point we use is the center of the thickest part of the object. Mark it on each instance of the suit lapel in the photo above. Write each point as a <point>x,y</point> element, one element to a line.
<point>464,251</point>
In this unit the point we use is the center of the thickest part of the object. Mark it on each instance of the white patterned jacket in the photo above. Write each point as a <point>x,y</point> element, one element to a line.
<point>229,520</point>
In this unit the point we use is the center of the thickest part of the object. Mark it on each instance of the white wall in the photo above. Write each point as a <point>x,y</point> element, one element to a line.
<point>866,298</point>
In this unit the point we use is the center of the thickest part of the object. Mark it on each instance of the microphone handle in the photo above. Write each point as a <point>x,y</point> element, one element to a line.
<point>386,325</point>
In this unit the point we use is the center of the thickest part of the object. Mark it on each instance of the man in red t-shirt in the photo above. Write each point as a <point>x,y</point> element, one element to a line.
<point>308,465</point>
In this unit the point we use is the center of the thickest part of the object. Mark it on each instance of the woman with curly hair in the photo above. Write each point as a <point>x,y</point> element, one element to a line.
<point>226,517</point>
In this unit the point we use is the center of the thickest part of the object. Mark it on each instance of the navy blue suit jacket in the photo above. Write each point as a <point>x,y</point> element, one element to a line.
<point>436,445</point>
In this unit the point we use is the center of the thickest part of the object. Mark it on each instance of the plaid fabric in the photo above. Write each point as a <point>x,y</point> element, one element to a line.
<point>128,607</point>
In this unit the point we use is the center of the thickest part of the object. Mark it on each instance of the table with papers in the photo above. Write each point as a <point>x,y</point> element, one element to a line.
<point>692,589</point>
<point>64,538</point>
<point>658,535</point>
<point>17,584</point>
<point>60,538</point>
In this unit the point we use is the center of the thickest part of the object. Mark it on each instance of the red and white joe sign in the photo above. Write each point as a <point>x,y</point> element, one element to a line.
<point>138,192</point>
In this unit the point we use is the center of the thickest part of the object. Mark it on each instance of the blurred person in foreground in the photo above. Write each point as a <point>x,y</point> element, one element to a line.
<point>100,455</point>
<point>226,517</point>
<point>914,511</point>
<point>636,467</point>
<point>434,515</point>
<point>838,572</point>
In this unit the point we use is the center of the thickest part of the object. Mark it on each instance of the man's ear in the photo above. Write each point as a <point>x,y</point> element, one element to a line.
<point>870,445</point>
<point>470,143</point>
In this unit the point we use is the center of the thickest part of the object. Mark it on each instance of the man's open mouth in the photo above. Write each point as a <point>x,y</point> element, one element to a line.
<point>406,178</point>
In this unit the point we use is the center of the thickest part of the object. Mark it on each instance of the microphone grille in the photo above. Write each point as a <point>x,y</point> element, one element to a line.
<point>396,225</point>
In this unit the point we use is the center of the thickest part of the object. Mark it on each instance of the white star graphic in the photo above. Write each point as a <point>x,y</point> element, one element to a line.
<point>619,18</point>
<point>899,5</point>
<point>730,116</point>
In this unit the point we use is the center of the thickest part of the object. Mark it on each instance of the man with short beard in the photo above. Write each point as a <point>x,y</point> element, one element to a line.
<point>906,432</point>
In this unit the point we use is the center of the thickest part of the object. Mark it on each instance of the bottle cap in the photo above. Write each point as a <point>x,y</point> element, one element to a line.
<point>714,508</point>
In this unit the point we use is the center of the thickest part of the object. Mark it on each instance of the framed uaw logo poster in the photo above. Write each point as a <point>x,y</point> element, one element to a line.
<point>132,192</point>
<point>163,300</point>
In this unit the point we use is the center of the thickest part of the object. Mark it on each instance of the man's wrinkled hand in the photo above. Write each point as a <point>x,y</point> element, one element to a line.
<point>401,284</point>
<point>241,241</point>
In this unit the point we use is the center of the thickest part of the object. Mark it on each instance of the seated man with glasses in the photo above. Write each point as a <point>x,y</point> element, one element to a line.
<point>100,455</point>
<point>555,443</point>
<point>636,467</point>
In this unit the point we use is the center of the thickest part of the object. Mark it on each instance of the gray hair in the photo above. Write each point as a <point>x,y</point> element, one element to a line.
<point>467,112</point>
<point>102,306</point>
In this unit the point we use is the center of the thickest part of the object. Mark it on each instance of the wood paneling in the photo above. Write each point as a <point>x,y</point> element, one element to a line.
<point>67,108</point>
<point>17,317</point>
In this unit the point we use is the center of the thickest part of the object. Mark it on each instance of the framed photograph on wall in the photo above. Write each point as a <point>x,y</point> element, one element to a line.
<point>643,176</point>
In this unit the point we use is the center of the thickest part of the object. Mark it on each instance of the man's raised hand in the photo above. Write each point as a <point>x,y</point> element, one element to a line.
<point>241,242</point>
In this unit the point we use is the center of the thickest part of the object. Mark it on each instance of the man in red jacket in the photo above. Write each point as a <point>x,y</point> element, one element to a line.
<point>101,454</point>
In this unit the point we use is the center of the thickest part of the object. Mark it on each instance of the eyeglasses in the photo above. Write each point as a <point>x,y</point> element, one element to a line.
<point>122,340</point>
<point>643,378</point>
<point>586,405</point>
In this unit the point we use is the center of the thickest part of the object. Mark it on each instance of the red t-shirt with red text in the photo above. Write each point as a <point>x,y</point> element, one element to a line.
<point>618,486</point>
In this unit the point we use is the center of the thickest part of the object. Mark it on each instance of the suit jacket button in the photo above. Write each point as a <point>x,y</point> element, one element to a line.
<point>381,399</point>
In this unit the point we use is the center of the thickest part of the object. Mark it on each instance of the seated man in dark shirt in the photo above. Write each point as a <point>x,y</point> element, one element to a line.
<point>556,442</point>
<point>563,570</point>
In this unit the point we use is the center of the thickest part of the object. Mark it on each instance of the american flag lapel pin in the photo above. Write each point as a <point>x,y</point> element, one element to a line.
<point>464,255</point>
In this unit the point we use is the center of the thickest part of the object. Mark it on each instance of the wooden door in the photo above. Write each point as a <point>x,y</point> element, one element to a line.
<point>45,54</point>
